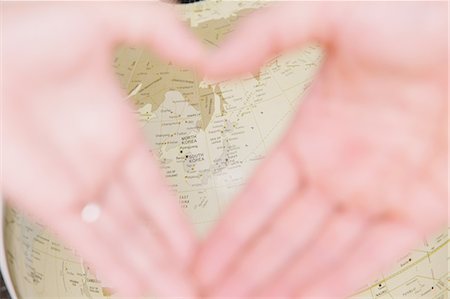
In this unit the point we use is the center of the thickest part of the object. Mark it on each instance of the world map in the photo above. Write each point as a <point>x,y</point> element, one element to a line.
<point>208,139</point>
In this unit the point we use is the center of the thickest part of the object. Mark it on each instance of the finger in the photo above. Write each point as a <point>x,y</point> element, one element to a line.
<point>288,234</point>
<point>117,220</point>
<point>265,33</point>
<point>156,270</point>
<point>382,244</point>
<point>157,26</point>
<point>154,198</point>
<point>228,239</point>
<point>335,242</point>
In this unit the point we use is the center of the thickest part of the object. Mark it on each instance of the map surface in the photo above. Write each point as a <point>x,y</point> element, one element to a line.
<point>208,138</point>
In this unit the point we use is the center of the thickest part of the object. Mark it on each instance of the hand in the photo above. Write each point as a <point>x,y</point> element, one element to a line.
<point>69,138</point>
<point>361,174</point>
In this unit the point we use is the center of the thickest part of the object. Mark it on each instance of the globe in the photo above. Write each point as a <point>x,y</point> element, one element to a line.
<point>208,139</point>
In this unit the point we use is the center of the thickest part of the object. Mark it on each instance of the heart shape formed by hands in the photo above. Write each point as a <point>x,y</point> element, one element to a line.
<point>348,175</point>
<point>358,177</point>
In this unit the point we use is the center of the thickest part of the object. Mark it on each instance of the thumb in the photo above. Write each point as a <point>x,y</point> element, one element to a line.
<point>155,25</point>
<point>266,33</point>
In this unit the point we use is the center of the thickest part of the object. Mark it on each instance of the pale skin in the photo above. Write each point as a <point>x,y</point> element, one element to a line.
<point>357,180</point>
<point>361,175</point>
<point>69,137</point>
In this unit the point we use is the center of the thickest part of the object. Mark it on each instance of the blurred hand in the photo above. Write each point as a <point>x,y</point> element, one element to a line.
<point>361,174</point>
<point>69,138</point>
